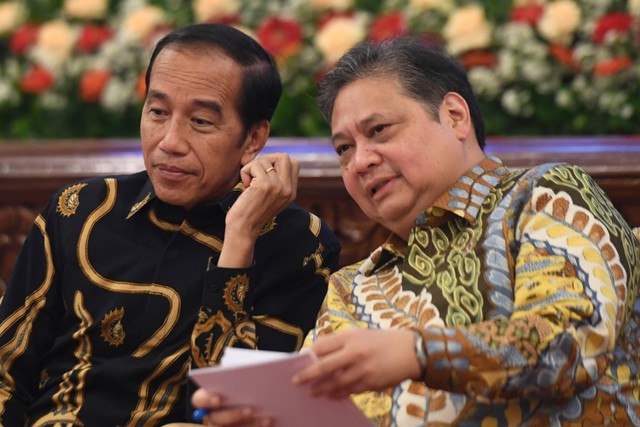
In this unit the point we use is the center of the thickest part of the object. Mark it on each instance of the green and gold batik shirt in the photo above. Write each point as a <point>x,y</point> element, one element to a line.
<point>523,284</point>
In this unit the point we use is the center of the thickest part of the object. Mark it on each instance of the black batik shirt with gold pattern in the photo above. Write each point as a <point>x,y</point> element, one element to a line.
<point>116,294</point>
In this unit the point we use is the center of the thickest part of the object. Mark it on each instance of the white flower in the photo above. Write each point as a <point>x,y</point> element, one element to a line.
<point>339,35</point>
<point>559,21</point>
<point>55,43</point>
<point>12,15</point>
<point>86,9</point>
<point>564,99</point>
<point>8,93</point>
<point>484,82</point>
<point>141,22</point>
<point>467,29</point>
<point>117,94</point>
<point>205,10</point>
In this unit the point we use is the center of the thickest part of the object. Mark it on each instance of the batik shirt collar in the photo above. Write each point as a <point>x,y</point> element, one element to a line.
<point>147,196</point>
<point>463,199</point>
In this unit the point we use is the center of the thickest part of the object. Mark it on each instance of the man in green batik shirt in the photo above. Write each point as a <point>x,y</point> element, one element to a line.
<point>502,298</point>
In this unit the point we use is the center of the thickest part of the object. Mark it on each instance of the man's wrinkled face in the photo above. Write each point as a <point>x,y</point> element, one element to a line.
<point>395,158</point>
<point>191,131</point>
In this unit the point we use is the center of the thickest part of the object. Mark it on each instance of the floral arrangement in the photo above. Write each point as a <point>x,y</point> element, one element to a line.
<point>75,68</point>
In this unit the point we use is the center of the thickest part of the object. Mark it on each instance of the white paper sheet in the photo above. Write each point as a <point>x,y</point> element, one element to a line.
<point>262,379</point>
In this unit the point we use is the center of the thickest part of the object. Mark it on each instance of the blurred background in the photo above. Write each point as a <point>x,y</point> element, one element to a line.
<point>74,68</point>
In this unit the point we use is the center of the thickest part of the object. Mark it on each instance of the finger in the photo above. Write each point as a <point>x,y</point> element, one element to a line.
<point>203,399</point>
<point>230,416</point>
<point>322,370</point>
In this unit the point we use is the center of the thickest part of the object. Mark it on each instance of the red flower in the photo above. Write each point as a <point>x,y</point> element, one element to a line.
<point>37,80</point>
<point>478,58</point>
<point>563,55</point>
<point>24,37</point>
<point>615,21</point>
<point>92,36</point>
<point>527,14</point>
<point>612,66</point>
<point>226,20</point>
<point>92,83</point>
<point>281,37</point>
<point>388,26</point>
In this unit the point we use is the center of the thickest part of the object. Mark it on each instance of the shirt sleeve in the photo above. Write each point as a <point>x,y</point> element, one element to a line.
<point>273,304</point>
<point>28,315</point>
<point>573,288</point>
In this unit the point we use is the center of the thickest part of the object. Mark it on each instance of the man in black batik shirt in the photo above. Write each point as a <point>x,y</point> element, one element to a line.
<point>125,282</point>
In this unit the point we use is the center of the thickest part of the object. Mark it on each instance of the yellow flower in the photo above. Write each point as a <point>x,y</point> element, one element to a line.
<point>634,7</point>
<point>12,15</point>
<point>559,21</point>
<point>339,35</point>
<point>55,44</point>
<point>467,29</point>
<point>205,10</point>
<point>85,9</point>
<point>141,22</point>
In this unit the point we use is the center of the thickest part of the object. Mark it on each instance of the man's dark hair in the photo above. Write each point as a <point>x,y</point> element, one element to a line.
<point>261,86</point>
<point>425,72</point>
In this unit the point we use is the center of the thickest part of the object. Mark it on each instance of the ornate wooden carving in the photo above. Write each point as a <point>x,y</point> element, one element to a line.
<point>15,222</point>
<point>31,172</point>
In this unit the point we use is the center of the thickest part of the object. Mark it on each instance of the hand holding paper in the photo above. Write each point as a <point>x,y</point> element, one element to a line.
<point>262,380</point>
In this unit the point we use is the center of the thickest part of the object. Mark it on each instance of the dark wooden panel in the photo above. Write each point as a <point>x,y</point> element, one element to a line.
<point>30,172</point>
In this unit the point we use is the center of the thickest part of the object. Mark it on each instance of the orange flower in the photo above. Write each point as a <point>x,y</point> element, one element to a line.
<point>92,36</point>
<point>92,83</point>
<point>141,86</point>
<point>387,26</point>
<point>37,80</point>
<point>612,66</point>
<point>25,37</point>
<point>564,55</point>
<point>281,37</point>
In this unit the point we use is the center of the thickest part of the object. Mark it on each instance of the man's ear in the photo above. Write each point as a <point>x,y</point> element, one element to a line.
<point>454,112</point>
<point>255,141</point>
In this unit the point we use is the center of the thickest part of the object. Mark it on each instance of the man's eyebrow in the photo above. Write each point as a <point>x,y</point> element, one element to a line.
<point>214,106</point>
<point>155,94</point>
<point>364,123</point>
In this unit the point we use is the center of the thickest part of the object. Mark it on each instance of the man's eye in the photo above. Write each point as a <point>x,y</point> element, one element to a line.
<point>201,122</point>
<point>377,129</point>
<point>341,149</point>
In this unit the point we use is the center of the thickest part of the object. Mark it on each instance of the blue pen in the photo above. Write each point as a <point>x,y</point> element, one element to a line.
<point>199,414</point>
